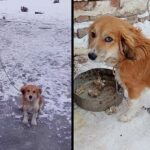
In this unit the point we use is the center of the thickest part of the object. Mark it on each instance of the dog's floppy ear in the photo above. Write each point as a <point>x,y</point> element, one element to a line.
<point>23,89</point>
<point>128,39</point>
<point>126,50</point>
<point>90,29</point>
<point>40,90</point>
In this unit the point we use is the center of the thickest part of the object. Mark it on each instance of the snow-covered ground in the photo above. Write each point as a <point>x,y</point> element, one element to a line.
<point>60,11</point>
<point>99,131</point>
<point>36,49</point>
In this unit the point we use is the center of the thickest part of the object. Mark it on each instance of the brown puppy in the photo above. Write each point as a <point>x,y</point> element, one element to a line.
<point>32,102</point>
<point>118,43</point>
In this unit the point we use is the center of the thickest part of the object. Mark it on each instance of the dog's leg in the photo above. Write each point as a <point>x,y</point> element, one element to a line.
<point>134,107</point>
<point>25,117</point>
<point>41,108</point>
<point>34,117</point>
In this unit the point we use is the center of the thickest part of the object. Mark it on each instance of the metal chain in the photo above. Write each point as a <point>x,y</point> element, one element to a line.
<point>11,82</point>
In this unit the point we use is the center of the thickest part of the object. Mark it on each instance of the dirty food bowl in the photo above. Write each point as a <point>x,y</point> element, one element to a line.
<point>104,97</point>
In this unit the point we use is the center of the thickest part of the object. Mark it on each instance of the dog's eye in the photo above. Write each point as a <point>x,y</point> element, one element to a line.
<point>28,90</point>
<point>93,35</point>
<point>108,39</point>
<point>33,91</point>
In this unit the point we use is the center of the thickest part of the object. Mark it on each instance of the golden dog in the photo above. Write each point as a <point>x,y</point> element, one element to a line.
<point>32,102</point>
<point>118,43</point>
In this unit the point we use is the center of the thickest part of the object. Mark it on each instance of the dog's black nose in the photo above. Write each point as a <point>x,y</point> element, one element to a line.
<point>92,56</point>
<point>30,97</point>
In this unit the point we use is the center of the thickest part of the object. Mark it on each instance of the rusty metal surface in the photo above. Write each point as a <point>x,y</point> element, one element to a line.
<point>108,95</point>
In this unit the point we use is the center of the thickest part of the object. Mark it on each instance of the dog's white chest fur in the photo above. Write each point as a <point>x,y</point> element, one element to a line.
<point>144,97</point>
<point>120,82</point>
<point>32,107</point>
<point>117,77</point>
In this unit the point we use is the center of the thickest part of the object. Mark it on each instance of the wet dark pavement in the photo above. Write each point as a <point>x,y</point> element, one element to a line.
<point>47,135</point>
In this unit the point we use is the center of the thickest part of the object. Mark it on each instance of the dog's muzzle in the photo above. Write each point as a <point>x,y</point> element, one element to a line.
<point>92,56</point>
<point>30,97</point>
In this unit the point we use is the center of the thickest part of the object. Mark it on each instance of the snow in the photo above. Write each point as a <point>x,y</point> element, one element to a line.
<point>61,11</point>
<point>81,42</point>
<point>143,15</point>
<point>145,27</point>
<point>82,25</point>
<point>90,65</point>
<point>36,49</point>
<point>99,131</point>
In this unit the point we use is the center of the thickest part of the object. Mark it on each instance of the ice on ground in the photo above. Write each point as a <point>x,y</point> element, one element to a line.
<point>60,11</point>
<point>36,49</point>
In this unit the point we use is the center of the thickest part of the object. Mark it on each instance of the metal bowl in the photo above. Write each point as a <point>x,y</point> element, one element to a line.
<point>107,97</point>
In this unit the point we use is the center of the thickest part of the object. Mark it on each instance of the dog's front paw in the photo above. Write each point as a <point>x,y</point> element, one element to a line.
<point>25,121</point>
<point>33,122</point>
<point>125,118</point>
